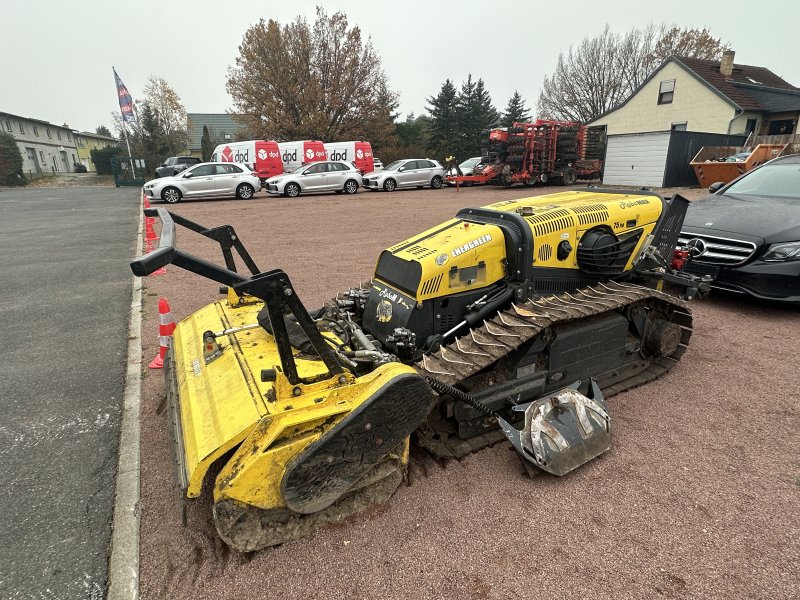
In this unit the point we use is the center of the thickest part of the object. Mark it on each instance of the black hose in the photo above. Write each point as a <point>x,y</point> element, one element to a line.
<point>440,387</point>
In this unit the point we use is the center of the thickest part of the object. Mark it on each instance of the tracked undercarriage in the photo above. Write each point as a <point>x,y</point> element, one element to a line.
<point>641,333</point>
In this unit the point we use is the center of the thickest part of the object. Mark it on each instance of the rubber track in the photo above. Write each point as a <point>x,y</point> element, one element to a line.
<point>510,328</point>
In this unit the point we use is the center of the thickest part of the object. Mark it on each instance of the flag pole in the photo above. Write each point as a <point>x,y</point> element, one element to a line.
<point>124,127</point>
<point>128,144</point>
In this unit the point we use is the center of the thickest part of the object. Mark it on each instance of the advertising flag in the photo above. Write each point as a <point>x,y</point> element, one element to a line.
<point>125,100</point>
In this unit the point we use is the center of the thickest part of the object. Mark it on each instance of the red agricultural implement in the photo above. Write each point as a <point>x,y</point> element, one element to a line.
<point>559,152</point>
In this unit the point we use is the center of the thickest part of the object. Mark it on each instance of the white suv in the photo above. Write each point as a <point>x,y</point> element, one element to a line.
<point>327,176</point>
<point>416,172</point>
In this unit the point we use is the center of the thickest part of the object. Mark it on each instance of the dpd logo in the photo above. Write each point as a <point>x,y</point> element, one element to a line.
<point>359,154</point>
<point>226,155</point>
<point>289,156</point>
<point>338,155</point>
<point>241,157</point>
<point>262,154</point>
<point>310,154</point>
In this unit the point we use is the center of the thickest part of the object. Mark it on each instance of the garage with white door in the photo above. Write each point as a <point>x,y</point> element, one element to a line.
<point>636,159</point>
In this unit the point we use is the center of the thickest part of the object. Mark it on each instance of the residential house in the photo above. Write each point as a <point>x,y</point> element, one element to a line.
<point>222,127</point>
<point>685,105</point>
<point>86,142</point>
<point>45,148</point>
<point>690,94</point>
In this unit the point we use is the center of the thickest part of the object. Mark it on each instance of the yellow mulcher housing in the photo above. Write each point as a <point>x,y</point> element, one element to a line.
<point>505,322</point>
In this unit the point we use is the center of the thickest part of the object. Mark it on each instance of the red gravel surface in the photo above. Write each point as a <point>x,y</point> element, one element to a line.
<point>699,496</point>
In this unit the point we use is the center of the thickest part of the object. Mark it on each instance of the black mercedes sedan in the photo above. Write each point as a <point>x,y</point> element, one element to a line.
<point>746,235</point>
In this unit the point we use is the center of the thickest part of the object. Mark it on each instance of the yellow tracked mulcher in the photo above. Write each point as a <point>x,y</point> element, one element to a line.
<point>513,321</point>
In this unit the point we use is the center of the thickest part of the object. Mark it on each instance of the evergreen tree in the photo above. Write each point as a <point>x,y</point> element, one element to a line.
<point>475,112</point>
<point>103,130</point>
<point>443,128</point>
<point>515,110</point>
<point>10,161</point>
<point>206,145</point>
<point>149,140</point>
<point>412,138</point>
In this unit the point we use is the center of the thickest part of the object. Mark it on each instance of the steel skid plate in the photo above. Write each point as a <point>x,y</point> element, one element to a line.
<point>562,430</point>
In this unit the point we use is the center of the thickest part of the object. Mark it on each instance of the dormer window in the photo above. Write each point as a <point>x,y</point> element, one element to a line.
<point>665,91</point>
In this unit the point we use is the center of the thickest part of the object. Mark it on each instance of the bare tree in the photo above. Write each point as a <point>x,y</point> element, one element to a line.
<point>695,43</point>
<point>169,112</point>
<point>300,81</point>
<point>600,72</point>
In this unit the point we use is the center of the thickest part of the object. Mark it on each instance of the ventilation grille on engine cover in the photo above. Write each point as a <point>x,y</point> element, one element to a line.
<point>545,252</point>
<point>551,221</point>
<point>593,213</point>
<point>432,285</point>
<point>419,251</point>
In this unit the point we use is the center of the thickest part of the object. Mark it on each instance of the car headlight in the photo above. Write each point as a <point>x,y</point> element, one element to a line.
<point>782,252</point>
<point>275,181</point>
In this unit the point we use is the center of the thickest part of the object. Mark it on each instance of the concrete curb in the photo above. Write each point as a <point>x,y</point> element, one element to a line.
<point>123,565</point>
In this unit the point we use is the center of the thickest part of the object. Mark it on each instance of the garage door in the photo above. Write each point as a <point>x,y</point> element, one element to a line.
<point>636,159</point>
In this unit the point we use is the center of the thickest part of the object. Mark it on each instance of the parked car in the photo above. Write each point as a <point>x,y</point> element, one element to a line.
<point>413,172</point>
<point>175,164</point>
<point>377,163</point>
<point>206,180</point>
<point>324,176</point>
<point>747,234</point>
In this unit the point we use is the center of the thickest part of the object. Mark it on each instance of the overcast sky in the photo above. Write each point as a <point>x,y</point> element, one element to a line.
<point>56,56</point>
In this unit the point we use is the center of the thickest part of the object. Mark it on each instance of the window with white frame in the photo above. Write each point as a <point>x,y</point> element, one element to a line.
<point>665,91</point>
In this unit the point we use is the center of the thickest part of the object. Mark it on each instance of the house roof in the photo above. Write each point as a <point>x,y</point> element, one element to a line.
<point>772,100</point>
<point>48,123</point>
<point>97,136</point>
<point>748,87</point>
<point>731,87</point>
<point>218,125</point>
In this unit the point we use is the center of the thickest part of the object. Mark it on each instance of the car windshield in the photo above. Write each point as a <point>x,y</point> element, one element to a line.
<point>393,165</point>
<point>779,180</point>
<point>470,162</point>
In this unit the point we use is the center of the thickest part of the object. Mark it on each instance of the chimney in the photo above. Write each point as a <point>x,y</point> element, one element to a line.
<point>726,64</point>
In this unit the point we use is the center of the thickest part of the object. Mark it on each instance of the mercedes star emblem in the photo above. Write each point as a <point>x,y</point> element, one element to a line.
<point>696,246</point>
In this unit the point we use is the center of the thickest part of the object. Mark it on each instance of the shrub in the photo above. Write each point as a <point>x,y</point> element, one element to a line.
<point>10,161</point>
<point>101,157</point>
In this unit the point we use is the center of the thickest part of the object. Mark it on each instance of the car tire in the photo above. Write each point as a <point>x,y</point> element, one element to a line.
<point>245,191</point>
<point>171,195</point>
<point>292,190</point>
<point>389,185</point>
<point>436,182</point>
<point>569,177</point>
<point>350,186</point>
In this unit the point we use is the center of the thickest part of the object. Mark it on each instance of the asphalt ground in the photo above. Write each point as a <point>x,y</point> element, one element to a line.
<point>64,302</point>
<point>698,498</point>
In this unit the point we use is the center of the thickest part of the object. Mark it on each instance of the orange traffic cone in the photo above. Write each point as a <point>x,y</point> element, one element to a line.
<point>165,328</point>
<point>146,202</point>
<point>151,239</point>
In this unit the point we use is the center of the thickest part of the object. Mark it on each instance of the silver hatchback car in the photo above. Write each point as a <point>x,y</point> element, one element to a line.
<point>415,172</point>
<point>325,176</point>
<point>206,180</point>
